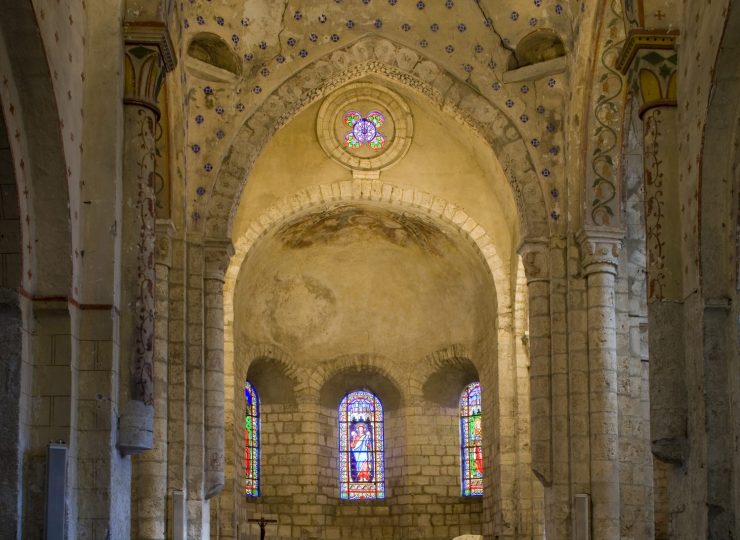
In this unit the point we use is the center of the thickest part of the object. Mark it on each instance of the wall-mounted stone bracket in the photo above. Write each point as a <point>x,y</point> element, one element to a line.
<point>135,428</point>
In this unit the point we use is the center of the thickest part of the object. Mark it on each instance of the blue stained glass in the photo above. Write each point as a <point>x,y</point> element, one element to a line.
<point>361,472</point>
<point>251,441</point>
<point>471,443</point>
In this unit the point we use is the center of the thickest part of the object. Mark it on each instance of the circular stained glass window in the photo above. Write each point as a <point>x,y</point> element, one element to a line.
<point>364,129</point>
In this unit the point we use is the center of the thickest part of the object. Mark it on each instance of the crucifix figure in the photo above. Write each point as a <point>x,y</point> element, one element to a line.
<point>262,522</point>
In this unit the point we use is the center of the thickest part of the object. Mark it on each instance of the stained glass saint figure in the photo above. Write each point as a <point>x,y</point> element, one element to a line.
<point>251,441</point>
<point>361,473</point>
<point>364,129</point>
<point>471,443</point>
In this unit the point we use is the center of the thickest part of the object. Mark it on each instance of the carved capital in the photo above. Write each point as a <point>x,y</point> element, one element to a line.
<point>164,232</point>
<point>600,249</point>
<point>148,56</point>
<point>640,41</point>
<point>651,60</point>
<point>217,254</point>
<point>536,260</point>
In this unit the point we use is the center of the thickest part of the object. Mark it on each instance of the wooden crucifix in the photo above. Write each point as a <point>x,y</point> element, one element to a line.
<point>262,522</point>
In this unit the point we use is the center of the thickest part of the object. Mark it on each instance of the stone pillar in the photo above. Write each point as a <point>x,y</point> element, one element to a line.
<point>668,396</point>
<point>217,255</point>
<point>150,468</point>
<point>651,61</point>
<point>197,504</point>
<point>600,251</point>
<point>12,403</point>
<point>535,257</point>
<point>177,403</point>
<point>147,56</point>
<point>536,260</point>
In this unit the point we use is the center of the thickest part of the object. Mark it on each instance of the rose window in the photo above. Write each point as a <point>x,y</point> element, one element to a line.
<point>364,130</point>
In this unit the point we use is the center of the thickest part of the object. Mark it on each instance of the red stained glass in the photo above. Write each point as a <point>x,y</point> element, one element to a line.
<point>471,442</point>
<point>251,441</point>
<point>361,463</point>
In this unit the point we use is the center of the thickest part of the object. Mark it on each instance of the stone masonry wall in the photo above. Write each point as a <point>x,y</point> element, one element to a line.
<point>10,226</point>
<point>299,475</point>
<point>10,337</point>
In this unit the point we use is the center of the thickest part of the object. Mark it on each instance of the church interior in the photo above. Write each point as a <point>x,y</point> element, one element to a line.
<point>370,269</point>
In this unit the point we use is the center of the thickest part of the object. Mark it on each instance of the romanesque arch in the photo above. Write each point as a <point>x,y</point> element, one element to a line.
<point>404,66</point>
<point>39,291</point>
<point>30,109</point>
<point>500,376</point>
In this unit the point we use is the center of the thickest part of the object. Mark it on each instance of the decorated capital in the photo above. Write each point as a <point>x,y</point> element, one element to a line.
<point>600,249</point>
<point>650,60</point>
<point>536,260</point>
<point>218,253</point>
<point>148,56</point>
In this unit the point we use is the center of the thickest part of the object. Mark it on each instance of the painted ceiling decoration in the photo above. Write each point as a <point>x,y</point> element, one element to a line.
<point>475,41</point>
<point>652,14</point>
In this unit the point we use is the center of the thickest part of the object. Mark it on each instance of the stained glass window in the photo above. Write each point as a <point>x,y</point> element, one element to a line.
<point>471,449</point>
<point>251,441</point>
<point>364,129</point>
<point>361,470</point>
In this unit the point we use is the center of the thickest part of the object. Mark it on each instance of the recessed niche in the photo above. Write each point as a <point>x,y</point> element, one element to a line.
<point>538,46</point>
<point>211,58</point>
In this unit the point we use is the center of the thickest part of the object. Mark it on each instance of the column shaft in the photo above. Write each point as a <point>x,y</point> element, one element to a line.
<point>217,255</point>
<point>137,276</point>
<point>147,55</point>
<point>665,312</point>
<point>600,251</point>
<point>535,258</point>
<point>197,506</point>
<point>214,375</point>
<point>150,468</point>
<point>177,409</point>
<point>551,472</point>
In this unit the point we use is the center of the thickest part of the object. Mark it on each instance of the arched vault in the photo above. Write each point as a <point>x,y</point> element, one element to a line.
<point>373,56</point>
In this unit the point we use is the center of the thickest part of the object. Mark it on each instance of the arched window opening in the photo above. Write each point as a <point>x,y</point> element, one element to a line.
<point>251,441</point>
<point>471,448</point>
<point>361,468</point>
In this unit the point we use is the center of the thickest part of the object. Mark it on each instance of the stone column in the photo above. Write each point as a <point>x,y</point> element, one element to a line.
<point>650,60</point>
<point>150,468</point>
<point>197,504</point>
<point>536,261</point>
<point>147,56</point>
<point>535,257</point>
<point>217,255</point>
<point>600,251</point>
<point>177,396</point>
<point>12,402</point>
